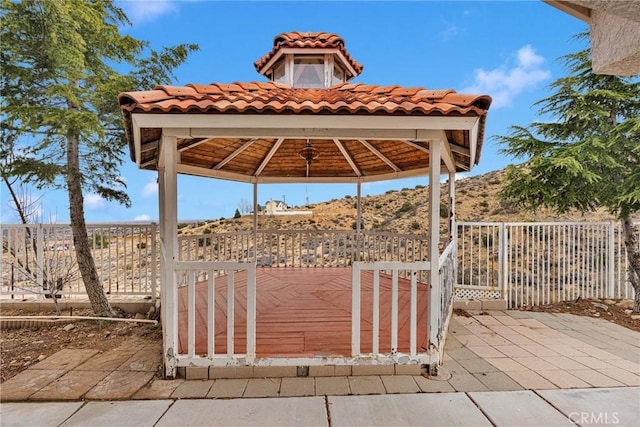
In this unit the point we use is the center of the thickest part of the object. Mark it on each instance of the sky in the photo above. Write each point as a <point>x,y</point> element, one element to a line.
<point>506,49</point>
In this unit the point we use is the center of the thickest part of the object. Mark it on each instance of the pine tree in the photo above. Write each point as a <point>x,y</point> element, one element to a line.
<point>61,120</point>
<point>587,156</point>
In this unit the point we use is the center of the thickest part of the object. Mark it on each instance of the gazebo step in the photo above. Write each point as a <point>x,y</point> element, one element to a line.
<point>218,372</point>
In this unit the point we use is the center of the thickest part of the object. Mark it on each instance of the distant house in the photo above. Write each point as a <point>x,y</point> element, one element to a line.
<point>274,207</point>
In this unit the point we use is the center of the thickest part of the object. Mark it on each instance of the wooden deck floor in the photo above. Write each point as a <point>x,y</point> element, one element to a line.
<point>303,312</point>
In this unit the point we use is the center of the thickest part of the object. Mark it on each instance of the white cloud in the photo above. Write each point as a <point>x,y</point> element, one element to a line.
<point>143,217</point>
<point>150,190</point>
<point>508,80</point>
<point>148,10</point>
<point>94,202</point>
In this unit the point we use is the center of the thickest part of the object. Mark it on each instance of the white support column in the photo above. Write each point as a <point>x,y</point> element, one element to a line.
<point>452,204</point>
<point>169,223</point>
<point>358,220</point>
<point>255,222</point>
<point>434,237</point>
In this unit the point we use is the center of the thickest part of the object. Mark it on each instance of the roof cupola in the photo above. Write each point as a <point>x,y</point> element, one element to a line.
<point>313,60</point>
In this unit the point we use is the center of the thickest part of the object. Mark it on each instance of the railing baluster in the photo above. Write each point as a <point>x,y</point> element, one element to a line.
<point>376,312</point>
<point>191,313</point>
<point>211,313</point>
<point>230,313</point>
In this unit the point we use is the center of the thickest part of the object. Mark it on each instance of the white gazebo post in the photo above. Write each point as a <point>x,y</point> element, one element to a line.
<point>168,198</point>
<point>358,220</point>
<point>434,237</point>
<point>255,222</point>
<point>452,205</point>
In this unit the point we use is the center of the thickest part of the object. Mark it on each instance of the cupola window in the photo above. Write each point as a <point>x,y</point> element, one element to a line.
<point>308,61</point>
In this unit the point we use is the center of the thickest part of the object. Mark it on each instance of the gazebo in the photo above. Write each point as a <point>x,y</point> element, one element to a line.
<point>307,124</point>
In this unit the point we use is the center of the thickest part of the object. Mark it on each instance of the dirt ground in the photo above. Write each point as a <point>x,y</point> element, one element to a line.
<point>615,311</point>
<point>21,348</point>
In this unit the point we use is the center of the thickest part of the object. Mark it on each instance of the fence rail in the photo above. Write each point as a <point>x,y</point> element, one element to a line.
<point>540,263</point>
<point>39,260</point>
<point>303,248</point>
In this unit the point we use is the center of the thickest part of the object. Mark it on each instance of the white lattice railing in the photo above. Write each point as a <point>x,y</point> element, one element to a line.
<point>38,259</point>
<point>540,263</point>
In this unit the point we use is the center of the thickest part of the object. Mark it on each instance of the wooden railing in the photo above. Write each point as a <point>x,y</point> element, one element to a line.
<point>303,248</point>
<point>190,273</point>
<point>412,270</point>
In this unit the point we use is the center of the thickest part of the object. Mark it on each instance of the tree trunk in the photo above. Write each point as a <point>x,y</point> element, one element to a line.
<point>633,256</point>
<point>86,264</point>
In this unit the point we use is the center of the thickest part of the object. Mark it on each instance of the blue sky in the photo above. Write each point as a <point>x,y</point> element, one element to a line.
<point>508,50</point>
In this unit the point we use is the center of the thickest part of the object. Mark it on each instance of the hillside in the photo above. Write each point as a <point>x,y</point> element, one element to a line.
<point>402,211</point>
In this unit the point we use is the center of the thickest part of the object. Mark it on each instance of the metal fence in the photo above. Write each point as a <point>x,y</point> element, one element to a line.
<point>540,263</point>
<point>39,260</point>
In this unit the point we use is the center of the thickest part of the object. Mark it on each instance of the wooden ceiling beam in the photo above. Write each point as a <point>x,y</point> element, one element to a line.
<point>192,143</point>
<point>347,157</point>
<point>379,154</point>
<point>268,157</point>
<point>234,154</point>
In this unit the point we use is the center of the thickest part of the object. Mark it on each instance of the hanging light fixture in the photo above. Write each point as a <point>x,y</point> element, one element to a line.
<point>309,154</point>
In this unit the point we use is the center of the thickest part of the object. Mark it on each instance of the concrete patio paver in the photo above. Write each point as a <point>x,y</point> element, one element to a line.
<point>65,360</point>
<point>303,386</point>
<point>262,387</point>
<point>158,389</point>
<point>119,385</point>
<point>614,406</point>
<point>370,384</point>
<point>497,381</point>
<point>193,389</point>
<point>518,409</point>
<point>448,409</point>
<point>27,383</point>
<point>399,384</point>
<point>290,411</point>
<point>228,388</point>
<point>29,414</point>
<point>332,386</point>
<point>138,413</point>
<point>71,386</point>
<point>563,379</point>
<point>433,386</point>
<point>531,380</point>
<point>466,382</point>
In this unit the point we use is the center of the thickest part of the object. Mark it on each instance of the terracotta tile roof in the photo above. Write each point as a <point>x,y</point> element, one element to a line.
<point>309,40</point>
<point>270,97</point>
<point>276,98</point>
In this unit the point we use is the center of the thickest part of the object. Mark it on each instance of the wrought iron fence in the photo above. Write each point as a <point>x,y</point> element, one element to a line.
<point>541,263</point>
<point>39,260</point>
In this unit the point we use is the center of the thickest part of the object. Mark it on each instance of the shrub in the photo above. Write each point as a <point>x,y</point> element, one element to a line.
<point>141,245</point>
<point>444,211</point>
<point>99,241</point>
<point>415,225</point>
<point>406,207</point>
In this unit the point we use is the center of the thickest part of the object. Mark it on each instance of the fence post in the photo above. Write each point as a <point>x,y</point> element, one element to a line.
<point>40,258</point>
<point>503,260</point>
<point>154,264</point>
<point>611,260</point>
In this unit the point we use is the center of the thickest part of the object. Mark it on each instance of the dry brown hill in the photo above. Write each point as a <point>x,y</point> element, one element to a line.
<point>400,211</point>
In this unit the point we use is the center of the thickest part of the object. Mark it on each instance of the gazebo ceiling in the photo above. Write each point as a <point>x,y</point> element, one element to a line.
<point>257,132</point>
